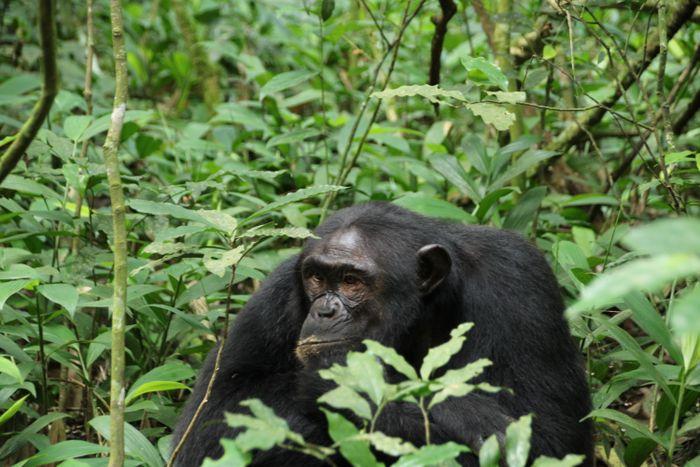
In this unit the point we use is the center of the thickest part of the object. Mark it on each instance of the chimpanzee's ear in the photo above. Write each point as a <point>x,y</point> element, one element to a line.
<point>434,264</point>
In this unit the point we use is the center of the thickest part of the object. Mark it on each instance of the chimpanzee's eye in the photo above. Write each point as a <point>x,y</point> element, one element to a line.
<point>315,278</point>
<point>351,279</point>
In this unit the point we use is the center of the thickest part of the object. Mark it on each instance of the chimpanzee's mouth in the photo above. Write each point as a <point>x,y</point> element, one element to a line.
<point>314,341</point>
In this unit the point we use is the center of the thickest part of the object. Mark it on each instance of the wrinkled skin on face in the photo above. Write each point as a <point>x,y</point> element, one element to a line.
<point>344,286</point>
<point>341,282</point>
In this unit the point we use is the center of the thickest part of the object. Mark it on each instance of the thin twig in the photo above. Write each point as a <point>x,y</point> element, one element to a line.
<point>49,89</point>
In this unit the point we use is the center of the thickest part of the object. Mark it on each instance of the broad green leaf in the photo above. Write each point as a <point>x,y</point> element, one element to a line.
<point>493,74</point>
<point>632,346</point>
<point>388,444</point>
<point>8,367</point>
<point>438,356</point>
<point>14,408</point>
<point>490,452</point>
<point>626,422</point>
<point>647,318</point>
<point>263,429</point>
<point>434,454</point>
<point>549,52</point>
<point>343,397</point>
<point>232,456</point>
<point>493,114</point>
<point>363,373</point>
<point>327,7</point>
<point>590,199</point>
<point>75,125</point>
<point>518,441</point>
<point>450,390</point>
<point>285,81</point>
<point>65,295</point>
<point>429,206</point>
<point>685,322</point>
<point>154,386</point>
<point>164,209</point>
<point>288,232</point>
<point>17,441</point>
<point>64,450</point>
<point>571,460</point>
<point>680,235</point>
<point>432,93</point>
<point>135,443</point>
<point>294,136</point>
<point>30,187</point>
<point>643,275</point>
<point>508,97</point>
<point>391,357</point>
<point>450,168</point>
<point>171,371</point>
<point>344,433</point>
<point>520,217</point>
<point>220,265</point>
<point>220,220</point>
<point>293,197</point>
<point>692,424</point>
<point>523,163</point>
<point>162,248</point>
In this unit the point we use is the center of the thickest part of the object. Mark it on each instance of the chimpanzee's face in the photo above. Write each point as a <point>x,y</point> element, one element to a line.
<point>349,296</point>
<point>342,283</point>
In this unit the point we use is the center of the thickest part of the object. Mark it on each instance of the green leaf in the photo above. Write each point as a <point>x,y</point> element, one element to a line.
<point>571,460</point>
<point>285,81</point>
<point>288,232</point>
<point>549,52</point>
<point>165,209</point>
<point>220,220</point>
<point>521,216</point>
<point>262,431</point>
<point>391,357</point>
<point>327,7</point>
<point>8,367</point>
<point>30,187</point>
<point>294,136</point>
<point>626,422</point>
<point>685,322</point>
<point>232,457</point>
<point>654,238</point>
<point>523,163</point>
<point>75,125</point>
<point>154,386</point>
<point>493,114</point>
<point>440,355</point>
<point>388,444</point>
<point>344,397</point>
<point>490,452</point>
<point>692,424</point>
<point>433,454</point>
<point>492,73</point>
<point>432,93</point>
<point>225,261</point>
<point>135,444</point>
<point>518,441</point>
<point>11,445</point>
<point>344,433</point>
<point>293,197</point>
<point>171,371</point>
<point>14,408</point>
<point>450,168</point>
<point>64,450</point>
<point>508,97</point>
<point>644,275</point>
<point>647,318</point>
<point>590,199</point>
<point>363,373</point>
<point>429,206</point>
<point>63,294</point>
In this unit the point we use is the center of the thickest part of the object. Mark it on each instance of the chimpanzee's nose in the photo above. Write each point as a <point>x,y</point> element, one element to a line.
<point>331,307</point>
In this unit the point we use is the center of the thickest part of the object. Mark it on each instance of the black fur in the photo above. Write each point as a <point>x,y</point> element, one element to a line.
<point>498,280</point>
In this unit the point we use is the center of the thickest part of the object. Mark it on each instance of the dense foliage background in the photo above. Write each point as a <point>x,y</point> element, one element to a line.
<point>234,105</point>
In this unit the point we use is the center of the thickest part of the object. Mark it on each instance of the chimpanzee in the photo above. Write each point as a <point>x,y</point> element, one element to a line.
<point>381,272</point>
